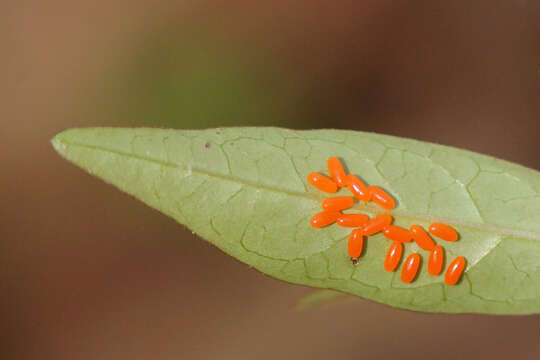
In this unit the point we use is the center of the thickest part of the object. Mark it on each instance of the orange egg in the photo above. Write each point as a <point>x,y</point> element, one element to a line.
<point>422,238</point>
<point>356,245</point>
<point>358,188</point>
<point>322,182</point>
<point>455,270</point>
<point>324,218</point>
<point>337,203</point>
<point>436,260</point>
<point>410,268</point>
<point>377,224</point>
<point>352,220</point>
<point>381,198</point>
<point>393,256</point>
<point>337,172</point>
<point>397,233</point>
<point>443,231</point>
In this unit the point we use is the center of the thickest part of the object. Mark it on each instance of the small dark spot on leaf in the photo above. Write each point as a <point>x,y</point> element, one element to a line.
<point>207,145</point>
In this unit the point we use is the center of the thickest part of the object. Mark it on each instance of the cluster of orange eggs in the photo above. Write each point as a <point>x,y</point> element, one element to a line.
<point>333,213</point>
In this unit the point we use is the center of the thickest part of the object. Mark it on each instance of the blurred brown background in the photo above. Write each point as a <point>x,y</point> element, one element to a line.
<point>87,272</point>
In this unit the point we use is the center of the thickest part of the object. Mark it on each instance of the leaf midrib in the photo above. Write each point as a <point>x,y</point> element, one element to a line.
<point>366,208</point>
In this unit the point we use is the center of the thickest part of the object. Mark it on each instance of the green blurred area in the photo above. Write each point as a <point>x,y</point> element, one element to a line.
<point>172,80</point>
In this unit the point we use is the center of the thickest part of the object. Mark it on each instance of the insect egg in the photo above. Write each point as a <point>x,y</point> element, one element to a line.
<point>436,260</point>
<point>397,233</point>
<point>356,245</point>
<point>443,231</point>
<point>337,203</point>
<point>393,256</point>
<point>377,224</point>
<point>324,218</point>
<point>352,220</point>
<point>322,182</point>
<point>381,198</point>
<point>454,271</point>
<point>422,238</point>
<point>358,188</point>
<point>336,171</point>
<point>410,268</point>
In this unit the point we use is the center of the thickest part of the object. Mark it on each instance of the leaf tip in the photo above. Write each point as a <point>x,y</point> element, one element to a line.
<point>63,139</point>
<point>58,144</point>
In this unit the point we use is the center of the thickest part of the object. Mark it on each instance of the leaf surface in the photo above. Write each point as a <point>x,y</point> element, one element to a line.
<point>245,191</point>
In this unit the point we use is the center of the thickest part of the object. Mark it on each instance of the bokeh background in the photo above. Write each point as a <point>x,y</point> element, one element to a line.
<point>87,272</point>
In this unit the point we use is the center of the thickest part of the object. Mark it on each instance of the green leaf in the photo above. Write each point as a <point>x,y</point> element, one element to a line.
<point>245,191</point>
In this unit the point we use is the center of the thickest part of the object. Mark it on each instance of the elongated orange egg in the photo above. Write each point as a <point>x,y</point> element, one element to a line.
<point>321,182</point>
<point>352,220</point>
<point>356,245</point>
<point>455,270</point>
<point>436,260</point>
<point>393,256</point>
<point>324,218</point>
<point>422,238</point>
<point>338,203</point>
<point>358,188</point>
<point>443,231</point>
<point>397,233</point>
<point>381,198</point>
<point>337,172</point>
<point>410,268</point>
<point>377,224</point>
